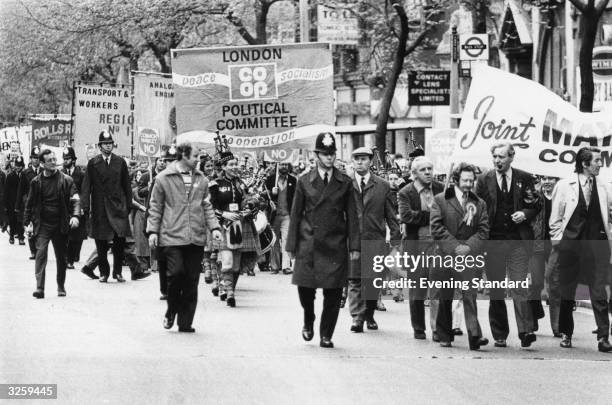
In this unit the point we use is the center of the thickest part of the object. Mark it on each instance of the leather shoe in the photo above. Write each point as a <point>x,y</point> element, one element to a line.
<point>500,343</point>
<point>119,278</point>
<point>104,279</point>
<point>89,273</point>
<point>326,342</point>
<point>274,271</point>
<point>566,341</point>
<point>446,344</point>
<point>380,306</point>
<point>12,241</point>
<point>371,324</point>
<point>33,257</point>
<point>223,296</point>
<point>69,266</point>
<point>604,345</point>
<point>215,291</point>
<point>140,275</point>
<point>307,333</point>
<point>287,271</point>
<point>435,337</point>
<point>527,339</point>
<point>208,277</point>
<point>163,297</point>
<point>38,294</point>
<point>557,334</point>
<point>22,242</point>
<point>457,332</point>
<point>594,331</point>
<point>169,321</point>
<point>187,329</point>
<point>420,335</point>
<point>231,302</point>
<point>357,326</point>
<point>476,342</point>
<point>61,292</point>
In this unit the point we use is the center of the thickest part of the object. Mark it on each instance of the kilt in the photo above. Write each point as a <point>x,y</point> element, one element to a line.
<point>250,240</point>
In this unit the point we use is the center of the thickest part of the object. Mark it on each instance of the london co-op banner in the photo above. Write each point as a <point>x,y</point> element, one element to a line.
<point>545,130</point>
<point>261,97</point>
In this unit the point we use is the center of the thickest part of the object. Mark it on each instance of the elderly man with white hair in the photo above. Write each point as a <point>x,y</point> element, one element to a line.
<point>415,201</point>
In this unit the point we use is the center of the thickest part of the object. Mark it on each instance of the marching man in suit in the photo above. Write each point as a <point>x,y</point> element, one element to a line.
<point>460,224</point>
<point>512,204</point>
<point>107,194</point>
<point>375,210</point>
<point>580,229</point>
<point>415,201</point>
<point>323,234</point>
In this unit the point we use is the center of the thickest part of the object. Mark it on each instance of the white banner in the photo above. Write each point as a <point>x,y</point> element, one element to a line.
<point>338,24</point>
<point>439,145</point>
<point>545,130</point>
<point>16,140</point>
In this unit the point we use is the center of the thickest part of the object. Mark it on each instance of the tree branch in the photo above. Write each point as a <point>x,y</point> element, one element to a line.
<point>579,4</point>
<point>244,33</point>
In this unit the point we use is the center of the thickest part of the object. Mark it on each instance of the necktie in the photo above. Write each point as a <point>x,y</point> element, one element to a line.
<point>504,184</point>
<point>464,200</point>
<point>588,188</point>
<point>325,179</point>
<point>108,161</point>
<point>362,185</point>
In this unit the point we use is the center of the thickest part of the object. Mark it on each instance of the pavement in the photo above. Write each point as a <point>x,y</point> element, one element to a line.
<point>104,344</point>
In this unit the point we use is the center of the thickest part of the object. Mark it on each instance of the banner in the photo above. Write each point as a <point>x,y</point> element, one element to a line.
<point>545,130</point>
<point>102,108</point>
<point>153,108</point>
<point>439,145</point>
<point>51,131</point>
<point>269,96</point>
<point>282,156</point>
<point>338,24</point>
<point>15,141</point>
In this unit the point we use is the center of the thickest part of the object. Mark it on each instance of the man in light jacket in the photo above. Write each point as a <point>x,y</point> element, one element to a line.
<point>180,213</point>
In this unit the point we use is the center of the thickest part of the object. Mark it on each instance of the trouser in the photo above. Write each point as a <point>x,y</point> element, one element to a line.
<point>444,319</point>
<point>162,268</point>
<point>279,259</point>
<point>73,253</point>
<point>183,276</point>
<point>233,262</point>
<point>102,247</point>
<point>554,292</point>
<point>209,265</point>
<point>361,309</point>
<point>131,260</point>
<point>508,257</point>
<point>537,265</point>
<point>32,245</point>
<point>331,308</point>
<point>571,261</point>
<point>458,313</point>
<point>59,242</point>
<point>416,302</point>
<point>15,225</point>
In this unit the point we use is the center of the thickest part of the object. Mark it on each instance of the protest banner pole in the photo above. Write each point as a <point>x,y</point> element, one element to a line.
<point>71,140</point>
<point>132,113</point>
<point>454,77</point>
<point>304,22</point>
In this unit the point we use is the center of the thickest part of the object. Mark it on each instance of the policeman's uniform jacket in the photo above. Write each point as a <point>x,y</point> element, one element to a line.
<point>324,227</point>
<point>107,194</point>
<point>78,176</point>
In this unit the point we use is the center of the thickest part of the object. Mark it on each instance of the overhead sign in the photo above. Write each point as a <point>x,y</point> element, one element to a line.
<point>269,96</point>
<point>148,142</point>
<point>338,24</point>
<point>153,106</point>
<point>429,87</point>
<point>474,47</point>
<point>51,132</point>
<point>545,130</point>
<point>102,108</point>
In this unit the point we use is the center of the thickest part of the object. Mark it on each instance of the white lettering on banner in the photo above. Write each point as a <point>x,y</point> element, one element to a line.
<point>546,130</point>
<point>201,80</point>
<point>305,74</point>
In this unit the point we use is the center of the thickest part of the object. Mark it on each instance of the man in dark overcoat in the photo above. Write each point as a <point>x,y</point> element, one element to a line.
<point>77,235</point>
<point>324,227</point>
<point>10,201</point>
<point>376,212</point>
<point>107,198</point>
<point>27,175</point>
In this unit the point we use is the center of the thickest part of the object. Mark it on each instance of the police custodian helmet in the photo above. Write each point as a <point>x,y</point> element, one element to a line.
<point>325,143</point>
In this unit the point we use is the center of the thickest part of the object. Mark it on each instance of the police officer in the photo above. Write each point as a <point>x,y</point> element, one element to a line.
<point>324,227</point>
<point>77,235</point>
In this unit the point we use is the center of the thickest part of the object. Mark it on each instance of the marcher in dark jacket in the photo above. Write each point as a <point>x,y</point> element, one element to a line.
<point>10,202</point>
<point>76,236</point>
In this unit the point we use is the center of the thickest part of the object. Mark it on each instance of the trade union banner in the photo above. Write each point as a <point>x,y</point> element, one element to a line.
<point>153,110</point>
<point>269,96</point>
<point>102,108</point>
<point>439,145</point>
<point>545,130</point>
<point>50,131</point>
<point>15,141</point>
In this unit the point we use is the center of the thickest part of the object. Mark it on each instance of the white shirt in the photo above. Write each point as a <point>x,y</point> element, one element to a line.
<point>459,195</point>
<point>508,178</point>
<point>587,188</point>
<point>323,171</point>
<point>365,178</point>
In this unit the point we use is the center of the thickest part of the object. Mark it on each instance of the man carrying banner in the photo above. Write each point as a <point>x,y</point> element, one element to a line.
<point>24,187</point>
<point>324,228</point>
<point>77,235</point>
<point>376,212</point>
<point>108,194</point>
<point>512,204</point>
<point>10,201</point>
<point>580,221</point>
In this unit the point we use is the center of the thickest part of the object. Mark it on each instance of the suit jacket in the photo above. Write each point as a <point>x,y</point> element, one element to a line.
<point>107,196</point>
<point>78,176</point>
<point>449,227</point>
<point>412,214</point>
<point>522,186</point>
<point>323,228</point>
<point>24,186</point>
<point>3,217</point>
<point>10,191</point>
<point>565,201</point>
<point>291,185</point>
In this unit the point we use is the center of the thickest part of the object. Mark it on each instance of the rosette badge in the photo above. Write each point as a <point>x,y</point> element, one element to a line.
<point>470,212</point>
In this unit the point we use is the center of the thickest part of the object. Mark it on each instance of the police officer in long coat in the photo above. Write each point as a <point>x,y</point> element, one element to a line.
<point>77,235</point>
<point>324,227</point>
<point>107,193</point>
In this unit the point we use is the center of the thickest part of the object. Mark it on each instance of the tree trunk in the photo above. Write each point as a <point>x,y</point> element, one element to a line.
<point>588,26</point>
<point>398,63</point>
<point>261,15</point>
